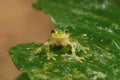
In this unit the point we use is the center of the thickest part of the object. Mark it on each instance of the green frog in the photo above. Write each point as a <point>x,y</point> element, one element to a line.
<point>62,38</point>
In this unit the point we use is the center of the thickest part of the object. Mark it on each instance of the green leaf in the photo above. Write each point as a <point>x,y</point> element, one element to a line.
<point>23,76</point>
<point>95,24</point>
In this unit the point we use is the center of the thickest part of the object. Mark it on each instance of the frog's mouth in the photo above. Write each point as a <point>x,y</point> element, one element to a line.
<point>61,41</point>
<point>60,36</point>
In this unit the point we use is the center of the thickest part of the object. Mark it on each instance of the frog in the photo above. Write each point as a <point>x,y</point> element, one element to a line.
<point>62,38</point>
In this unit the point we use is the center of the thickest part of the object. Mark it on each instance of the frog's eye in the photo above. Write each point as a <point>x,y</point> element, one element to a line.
<point>66,32</point>
<point>53,31</point>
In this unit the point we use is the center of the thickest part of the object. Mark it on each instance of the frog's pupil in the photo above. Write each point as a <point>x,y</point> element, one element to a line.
<point>52,31</point>
<point>66,32</point>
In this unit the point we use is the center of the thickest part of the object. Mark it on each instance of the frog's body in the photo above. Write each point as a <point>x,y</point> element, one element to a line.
<point>62,39</point>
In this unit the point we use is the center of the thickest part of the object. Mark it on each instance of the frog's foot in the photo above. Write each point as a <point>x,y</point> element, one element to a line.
<point>80,59</point>
<point>85,49</point>
<point>53,58</point>
<point>74,55</point>
<point>50,56</point>
<point>38,50</point>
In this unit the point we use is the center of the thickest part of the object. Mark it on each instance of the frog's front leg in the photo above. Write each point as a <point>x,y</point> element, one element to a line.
<point>73,50</point>
<point>84,49</point>
<point>76,46</point>
<point>47,48</point>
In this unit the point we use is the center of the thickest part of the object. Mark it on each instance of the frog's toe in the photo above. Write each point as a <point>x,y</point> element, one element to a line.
<point>84,51</point>
<point>80,59</point>
<point>48,58</point>
<point>87,48</point>
<point>53,58</point>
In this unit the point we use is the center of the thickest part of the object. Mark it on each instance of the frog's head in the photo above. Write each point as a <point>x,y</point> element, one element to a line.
<point>60,34</point>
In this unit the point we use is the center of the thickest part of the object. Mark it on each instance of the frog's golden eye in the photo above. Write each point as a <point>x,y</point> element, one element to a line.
<point>53,31</point>
<point>66,32</point>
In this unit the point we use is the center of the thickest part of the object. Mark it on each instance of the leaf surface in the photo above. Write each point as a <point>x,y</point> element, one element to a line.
<point>95,24</point>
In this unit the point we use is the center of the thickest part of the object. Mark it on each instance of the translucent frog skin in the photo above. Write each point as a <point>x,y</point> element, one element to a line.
<point>62,38</point>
